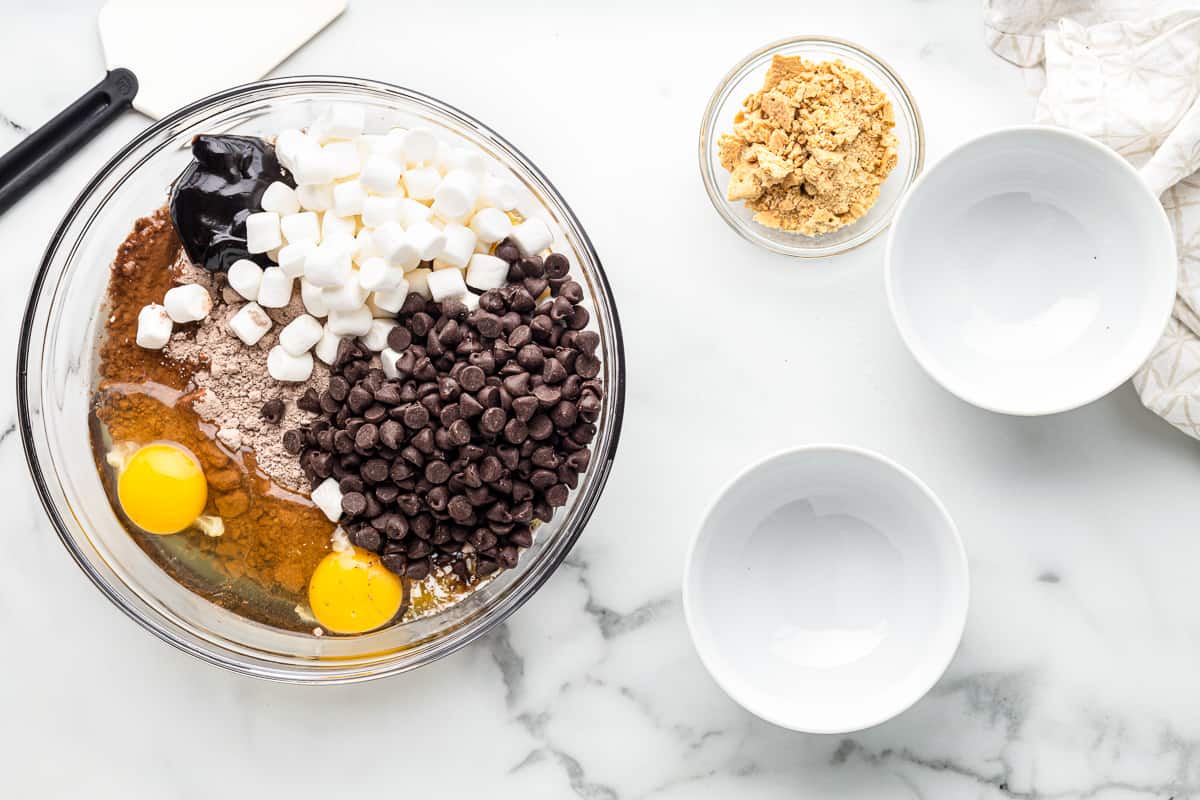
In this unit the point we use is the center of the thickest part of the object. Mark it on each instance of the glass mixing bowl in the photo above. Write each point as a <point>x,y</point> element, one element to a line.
<point>745,79</point>
<point>56,376</point>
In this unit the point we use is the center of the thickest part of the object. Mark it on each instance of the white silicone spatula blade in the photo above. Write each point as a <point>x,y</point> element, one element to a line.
<point>182,51</point>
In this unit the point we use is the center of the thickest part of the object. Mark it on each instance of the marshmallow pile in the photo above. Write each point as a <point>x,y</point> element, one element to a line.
<point>372,217</point>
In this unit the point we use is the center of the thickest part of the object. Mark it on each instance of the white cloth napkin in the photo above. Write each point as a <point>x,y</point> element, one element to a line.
<point>1128,74</point>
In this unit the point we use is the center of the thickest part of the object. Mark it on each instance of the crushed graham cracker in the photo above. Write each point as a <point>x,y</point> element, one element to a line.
<point>809,151</point>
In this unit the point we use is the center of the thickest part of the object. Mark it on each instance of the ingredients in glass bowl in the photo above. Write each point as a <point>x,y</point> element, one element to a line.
<point>809,151</point>
<point>398,269</point>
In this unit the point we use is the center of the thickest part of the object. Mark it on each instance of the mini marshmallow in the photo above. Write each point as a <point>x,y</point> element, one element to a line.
<point>531,237</point>
<point>328,265</point>
<point>396,246</point>
<point>287,368</point>
<point>350,323</point>
<point>491,225</point>
<point>314,166</point>
<point>428,240</point>
<point>446,158</point>
<point>376,338</point>
<point>326,349</point>
<point>420,145</point>
<point>305,226</point>
<point>300,334</point>
<point>470,300</point>
<point>444,283</point>
<point>418,282</point>
<point>388,358</point>
<point>348,198</point>
<point>313,298</point>
<point>328,498</point>
<point>412,212</point>
<point>245,276</point>
<point>292,258</point>
<point>498,192</point>
<point>262,232</point>
<point>376,311</point>
<point>421,183</point>
<point>154,327</point>
<point>318,197</point>
<point>345,158</point>
<point>343,121</point>
<point>250,323</point>
<point>332,225</point>
<point>390,300</point>
<point>347,297</point>
<point>460,245</point>
<point>378,210</point>
<point>275,291</point>
<point>280,198</point>
<point>288,145</point>
<point>390,145</point>
<point>473,160</point>
<point>376,273</point>
<point>364,246</point>
<point>486,272</point>
<point>381,175</point>
<point>456,195</point>
<point>187,303</point>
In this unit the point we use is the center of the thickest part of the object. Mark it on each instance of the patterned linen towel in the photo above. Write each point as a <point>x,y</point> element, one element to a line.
<point>1128,74</point>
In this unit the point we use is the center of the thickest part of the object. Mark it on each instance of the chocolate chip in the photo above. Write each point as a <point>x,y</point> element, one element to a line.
<point>492,421</point>
<point>471,378</point>
<point>587,366</point>
<point>354,503</point>
<point>309,401</point>
<point>535,286</point>
<point>416,416</point>
<point>293,441</point>
<point>556,265</point>
<point>272,411</point>
<point>516,431</point>
<point>578,319</point>
<point>517,384</point>
<point>533,267</point>
<point>508,251</point>
<point>367,538</point>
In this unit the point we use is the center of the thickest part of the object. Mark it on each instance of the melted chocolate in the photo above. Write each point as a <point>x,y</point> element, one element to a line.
<point>212,197</point>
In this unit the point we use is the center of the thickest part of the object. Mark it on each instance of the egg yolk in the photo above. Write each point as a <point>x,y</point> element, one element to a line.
<point>352,592</point>
<point>162,488</point>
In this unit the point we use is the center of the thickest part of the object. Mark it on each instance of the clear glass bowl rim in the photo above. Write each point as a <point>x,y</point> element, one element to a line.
<point>708,122</point>
<point>229,659</point>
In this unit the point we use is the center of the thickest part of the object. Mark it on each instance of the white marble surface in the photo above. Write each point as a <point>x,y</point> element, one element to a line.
<point>1077,675</point>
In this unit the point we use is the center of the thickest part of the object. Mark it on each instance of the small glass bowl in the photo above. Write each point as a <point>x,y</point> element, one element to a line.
<point>745,79</point>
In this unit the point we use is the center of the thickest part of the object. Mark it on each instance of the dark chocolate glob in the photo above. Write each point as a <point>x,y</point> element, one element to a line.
<point>212,197</point>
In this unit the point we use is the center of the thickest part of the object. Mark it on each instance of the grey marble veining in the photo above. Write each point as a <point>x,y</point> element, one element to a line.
<point>1076,677</point>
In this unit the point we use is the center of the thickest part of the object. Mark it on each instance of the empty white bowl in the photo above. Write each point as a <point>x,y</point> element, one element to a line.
<point>827,589</point>
<point>1031,270</point>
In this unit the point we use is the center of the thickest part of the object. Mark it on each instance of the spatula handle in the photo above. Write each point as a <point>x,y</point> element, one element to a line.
<point>50,145</point>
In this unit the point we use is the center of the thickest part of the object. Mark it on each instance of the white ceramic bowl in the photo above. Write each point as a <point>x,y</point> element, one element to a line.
<point>826,590</point>
<point>1031,271</point>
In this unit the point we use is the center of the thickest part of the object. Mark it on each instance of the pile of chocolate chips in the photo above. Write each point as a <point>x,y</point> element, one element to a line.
<point>484,430</point>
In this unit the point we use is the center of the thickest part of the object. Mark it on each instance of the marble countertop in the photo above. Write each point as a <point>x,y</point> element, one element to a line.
<point>1076,675</point>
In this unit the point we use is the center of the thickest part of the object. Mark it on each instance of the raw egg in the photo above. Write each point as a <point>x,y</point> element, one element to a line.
<point>351,591</point>
<point>162,488</point>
